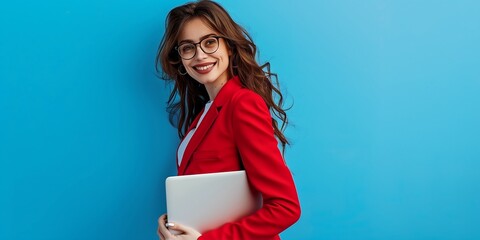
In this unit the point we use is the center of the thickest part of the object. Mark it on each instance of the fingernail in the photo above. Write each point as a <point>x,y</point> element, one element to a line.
<point>169,225</point>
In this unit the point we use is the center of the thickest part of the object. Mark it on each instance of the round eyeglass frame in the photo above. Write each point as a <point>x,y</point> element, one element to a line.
<point>195,46</point>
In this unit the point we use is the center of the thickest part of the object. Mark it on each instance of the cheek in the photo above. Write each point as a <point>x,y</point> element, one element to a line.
<point>224,57</point>
<point>186,64</point>
<point>223,53</point>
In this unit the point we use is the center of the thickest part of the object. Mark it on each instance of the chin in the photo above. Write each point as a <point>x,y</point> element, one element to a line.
<point>206,79</point>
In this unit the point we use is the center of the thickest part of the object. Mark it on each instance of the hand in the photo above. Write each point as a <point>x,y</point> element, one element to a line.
<point>185,233</point>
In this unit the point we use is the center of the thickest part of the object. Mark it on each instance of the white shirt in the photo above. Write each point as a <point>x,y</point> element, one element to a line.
<point>186,140</point>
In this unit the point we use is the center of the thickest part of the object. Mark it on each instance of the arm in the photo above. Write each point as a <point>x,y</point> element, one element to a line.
<point>266,171</point>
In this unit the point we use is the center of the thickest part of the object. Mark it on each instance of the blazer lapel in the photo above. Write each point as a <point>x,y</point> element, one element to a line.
<point>198,136</point>
<point>223,96</point>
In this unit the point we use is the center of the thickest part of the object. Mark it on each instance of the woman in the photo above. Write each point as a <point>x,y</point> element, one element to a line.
<point>224,121</point>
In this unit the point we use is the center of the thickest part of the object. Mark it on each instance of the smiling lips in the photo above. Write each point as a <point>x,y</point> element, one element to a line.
<point>204,68</point>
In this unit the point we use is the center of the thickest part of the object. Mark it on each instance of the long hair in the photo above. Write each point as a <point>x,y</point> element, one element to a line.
<point>188,97</point>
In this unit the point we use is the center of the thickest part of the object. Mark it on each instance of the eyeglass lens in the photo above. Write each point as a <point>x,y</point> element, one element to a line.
<point>188,50</point>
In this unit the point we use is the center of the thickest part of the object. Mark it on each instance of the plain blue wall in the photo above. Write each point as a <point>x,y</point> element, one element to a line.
<point>385,122</point>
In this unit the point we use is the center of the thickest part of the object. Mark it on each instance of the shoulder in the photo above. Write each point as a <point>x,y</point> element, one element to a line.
<point>246,103</point>
<point>236,97</point>
<point>245,96</point>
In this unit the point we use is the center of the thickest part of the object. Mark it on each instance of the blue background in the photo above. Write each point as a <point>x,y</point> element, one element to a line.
<point>384,123</point>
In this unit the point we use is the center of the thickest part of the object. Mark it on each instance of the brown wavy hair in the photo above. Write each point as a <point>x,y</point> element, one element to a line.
<point>188,97</point>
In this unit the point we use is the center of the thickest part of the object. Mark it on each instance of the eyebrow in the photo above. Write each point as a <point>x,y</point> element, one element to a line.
<point>201,38</point>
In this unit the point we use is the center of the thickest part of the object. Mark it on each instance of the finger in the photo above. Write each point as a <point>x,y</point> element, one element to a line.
<point>160,236</point>
<point>162,220</point>
<point>161,227</point>
<point>184,230</point>
<point>159,233</point>
<point>180,228</point>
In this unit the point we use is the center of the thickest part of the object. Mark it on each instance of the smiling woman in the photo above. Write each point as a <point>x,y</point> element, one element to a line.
<point>225,119</point>
<point>207,67</point>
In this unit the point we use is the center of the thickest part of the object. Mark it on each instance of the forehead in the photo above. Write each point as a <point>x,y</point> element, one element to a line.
<point>195,29</point>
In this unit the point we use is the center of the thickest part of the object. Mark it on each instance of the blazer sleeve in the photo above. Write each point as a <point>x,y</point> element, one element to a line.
<point>266,171</point>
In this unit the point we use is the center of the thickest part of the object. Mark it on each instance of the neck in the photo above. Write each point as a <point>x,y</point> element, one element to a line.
<point>214,88</point>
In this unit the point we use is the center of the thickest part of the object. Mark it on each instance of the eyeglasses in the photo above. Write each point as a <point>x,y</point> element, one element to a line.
<point>208,45</point>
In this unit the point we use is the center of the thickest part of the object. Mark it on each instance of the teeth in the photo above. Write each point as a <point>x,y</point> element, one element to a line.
<point>203,68</point>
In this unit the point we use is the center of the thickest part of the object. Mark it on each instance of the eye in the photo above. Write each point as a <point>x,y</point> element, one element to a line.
<point>186,48</point>
<point>210,42</point>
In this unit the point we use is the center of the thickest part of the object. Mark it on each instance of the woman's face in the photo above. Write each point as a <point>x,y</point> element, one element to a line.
<point>208,69</point>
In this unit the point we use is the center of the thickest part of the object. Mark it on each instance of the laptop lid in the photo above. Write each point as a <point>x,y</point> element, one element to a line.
<point>207,201</point>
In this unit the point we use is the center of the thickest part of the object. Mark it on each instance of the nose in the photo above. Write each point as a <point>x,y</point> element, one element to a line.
<point>200,53</point>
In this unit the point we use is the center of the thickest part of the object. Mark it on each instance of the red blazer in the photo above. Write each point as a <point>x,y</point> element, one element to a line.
<point>236,134</point>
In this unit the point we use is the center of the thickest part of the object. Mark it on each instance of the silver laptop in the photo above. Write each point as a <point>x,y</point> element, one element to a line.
<point>207,201</point>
